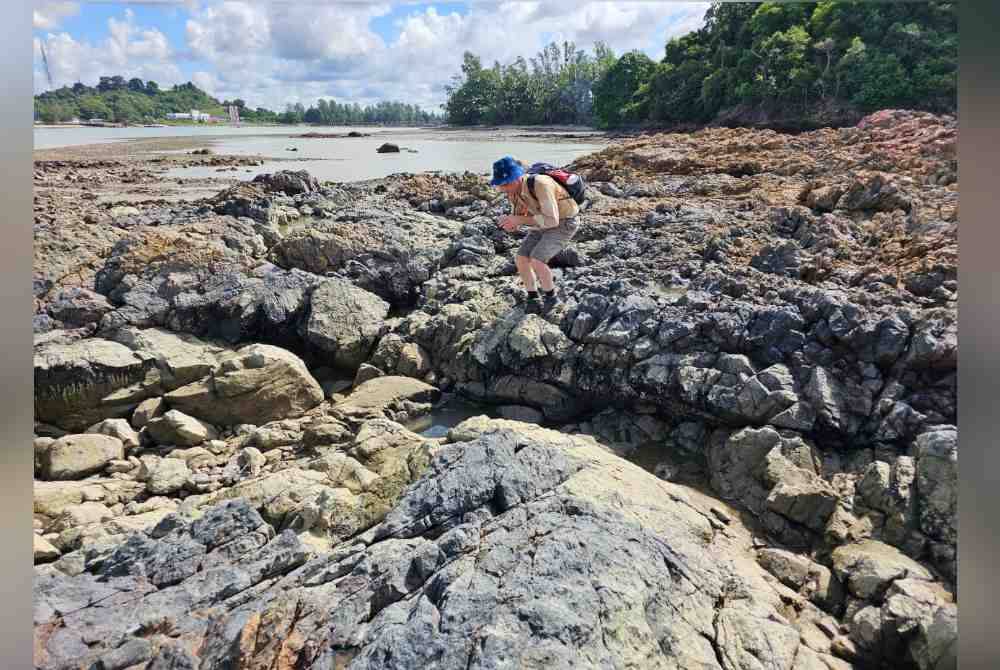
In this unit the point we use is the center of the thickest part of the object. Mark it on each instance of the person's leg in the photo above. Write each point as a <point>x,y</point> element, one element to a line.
<point>551,243</point>
<point>544,273</point>
<point>524,265</point>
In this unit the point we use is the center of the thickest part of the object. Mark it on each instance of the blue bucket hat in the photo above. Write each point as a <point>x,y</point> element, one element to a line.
<point>506,170</point>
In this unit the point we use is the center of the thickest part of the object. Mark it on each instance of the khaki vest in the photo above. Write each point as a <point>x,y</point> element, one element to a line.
<point>544,186</point>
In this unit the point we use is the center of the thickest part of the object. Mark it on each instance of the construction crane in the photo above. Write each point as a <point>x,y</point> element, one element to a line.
<point>45,62</point>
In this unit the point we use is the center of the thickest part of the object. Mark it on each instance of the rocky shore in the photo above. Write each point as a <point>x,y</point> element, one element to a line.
<point>226,474</point>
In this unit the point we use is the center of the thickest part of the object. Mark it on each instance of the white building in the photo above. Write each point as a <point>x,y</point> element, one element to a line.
<point>194,115</point>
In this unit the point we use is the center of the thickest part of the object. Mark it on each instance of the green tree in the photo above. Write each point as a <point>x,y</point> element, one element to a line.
<point>94,107</point>
<point>613,93</point>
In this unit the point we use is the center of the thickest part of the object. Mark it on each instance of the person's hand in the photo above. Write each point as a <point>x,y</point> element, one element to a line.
<point>509,224</point>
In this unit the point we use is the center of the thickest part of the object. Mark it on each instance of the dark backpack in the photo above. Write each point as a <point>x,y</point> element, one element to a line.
<point>573,183</point>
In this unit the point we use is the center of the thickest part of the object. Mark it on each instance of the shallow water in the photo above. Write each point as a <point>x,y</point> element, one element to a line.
<point>342,158</point>
<point>66,136</point>
<point>355,158</point>
<point>447,415</point>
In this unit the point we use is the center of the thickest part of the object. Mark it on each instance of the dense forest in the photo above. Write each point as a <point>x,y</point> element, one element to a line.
<point>808,63</point>
<point>135,101</point>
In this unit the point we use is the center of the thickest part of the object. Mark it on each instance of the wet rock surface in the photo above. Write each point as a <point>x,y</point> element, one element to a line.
<point>766,321</point>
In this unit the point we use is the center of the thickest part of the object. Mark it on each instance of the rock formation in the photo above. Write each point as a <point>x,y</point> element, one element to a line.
<point>766,323</point>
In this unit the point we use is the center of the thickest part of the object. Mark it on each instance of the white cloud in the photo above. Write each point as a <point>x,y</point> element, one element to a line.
<point>50,14</point>
<point>271,54</point>
<point>129,51</point>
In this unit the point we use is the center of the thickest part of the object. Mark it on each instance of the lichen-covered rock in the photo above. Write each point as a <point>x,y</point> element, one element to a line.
<point>79,384</point>
<point>255,384</point>
<point>533,525</point>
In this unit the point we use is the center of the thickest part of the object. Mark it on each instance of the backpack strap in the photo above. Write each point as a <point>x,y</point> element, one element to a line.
<point>531,188</point>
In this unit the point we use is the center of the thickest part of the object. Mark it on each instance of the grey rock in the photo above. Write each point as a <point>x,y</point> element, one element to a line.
<point>869,568</point>
<point>345,321</point>
<point>169,476</point>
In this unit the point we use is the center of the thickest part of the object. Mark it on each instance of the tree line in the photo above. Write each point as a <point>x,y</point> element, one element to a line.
<point>332,113</point>
<point>775,58</point>
<point>134,101</point>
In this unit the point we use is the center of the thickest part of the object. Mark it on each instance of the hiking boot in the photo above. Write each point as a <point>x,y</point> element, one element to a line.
<point>529,302</point>
<point>549,301</point>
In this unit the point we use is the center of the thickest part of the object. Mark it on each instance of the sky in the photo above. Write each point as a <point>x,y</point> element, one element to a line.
<point>272,54</point>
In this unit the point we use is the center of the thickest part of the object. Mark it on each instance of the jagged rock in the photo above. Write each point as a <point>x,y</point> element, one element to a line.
<point>76,456</point>
<point>937,482</point>
<point>388,396</point>
<point>255,384</point>
<point>81,515</point>
<point>289,182</point>
<point>276,434</point>
<point>869,567</point>
<point>181,358</point>
<point>366,372</point>
<point>345,321</point>
<point>146,411</point>
<point>366,599</point>
<point>177,428</point>
<point>877,192</point>
<point>812,580</point>
<point>922,622</point>
<point>43,550</point>
<point>78,306</point>
<point>785,259</point>
<point>390,254</point>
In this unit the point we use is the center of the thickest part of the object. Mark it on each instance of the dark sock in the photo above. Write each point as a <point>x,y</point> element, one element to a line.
<point>549,294</point>
<point>532,295</point>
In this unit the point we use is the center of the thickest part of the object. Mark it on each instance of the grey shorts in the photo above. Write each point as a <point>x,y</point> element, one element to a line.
<point>542,245</point>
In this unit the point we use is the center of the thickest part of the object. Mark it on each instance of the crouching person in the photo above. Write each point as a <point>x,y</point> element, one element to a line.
<point>542,205</point>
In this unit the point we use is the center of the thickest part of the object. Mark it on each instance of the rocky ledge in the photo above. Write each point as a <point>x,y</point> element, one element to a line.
<point>766,323</point>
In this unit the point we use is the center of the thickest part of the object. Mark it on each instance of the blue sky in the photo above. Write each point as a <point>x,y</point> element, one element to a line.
<point>273,54</point>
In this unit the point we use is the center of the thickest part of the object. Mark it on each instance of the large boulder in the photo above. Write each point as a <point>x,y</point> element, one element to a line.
<point>169,475</point>
<point>179,429</point>
<point>868,568</point>
<point>79,384</point>
<point>76,456</point>
<point>181,358</point>
<point>289,182</point>
<point>508,547</point>
<point>384,251</point>
<point>255,384</point>
<point>397,398</point>
<point>345,321</point>
<point>78,306</point>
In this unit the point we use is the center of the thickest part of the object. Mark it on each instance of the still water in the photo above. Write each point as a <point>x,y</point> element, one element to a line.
<point>344,158</point>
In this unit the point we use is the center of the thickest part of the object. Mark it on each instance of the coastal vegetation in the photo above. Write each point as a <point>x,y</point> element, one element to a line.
<point>134,101</point>
<point>808,63</point>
